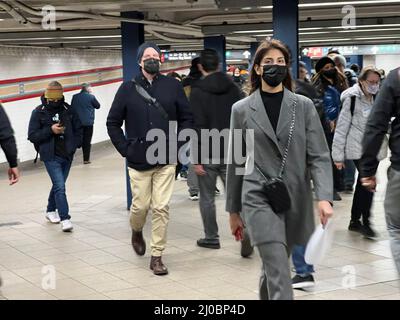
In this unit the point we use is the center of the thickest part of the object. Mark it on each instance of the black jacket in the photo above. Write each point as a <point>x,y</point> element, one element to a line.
<point>211,100</point>
<point>7,140</point>
<point>306,89</point>
<point>386,106</point>
<point>42,136</point>
<point>140,117</point>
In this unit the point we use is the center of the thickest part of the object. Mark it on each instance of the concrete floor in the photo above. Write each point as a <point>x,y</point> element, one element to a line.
<point>96,261</point>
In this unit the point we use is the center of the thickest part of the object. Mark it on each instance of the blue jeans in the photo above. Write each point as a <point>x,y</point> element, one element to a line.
<point>58,170</point>
<point>302,268</point>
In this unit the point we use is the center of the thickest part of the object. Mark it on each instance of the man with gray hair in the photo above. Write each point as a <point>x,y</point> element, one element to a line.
<point>340,62</point>
<point>84,104</point>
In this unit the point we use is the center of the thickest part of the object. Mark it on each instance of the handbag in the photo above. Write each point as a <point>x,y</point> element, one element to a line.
<point>275,189</point>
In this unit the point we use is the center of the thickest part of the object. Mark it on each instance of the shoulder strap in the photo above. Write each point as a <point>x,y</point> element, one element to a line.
<point>353,105</point>
<point>290,137</point>
<point>150,100</point>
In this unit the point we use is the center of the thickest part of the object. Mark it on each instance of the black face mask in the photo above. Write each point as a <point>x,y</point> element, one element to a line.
<point>151,66</point>
<point>331,74</point>
<point>55,104</point>
<point>274,74</point>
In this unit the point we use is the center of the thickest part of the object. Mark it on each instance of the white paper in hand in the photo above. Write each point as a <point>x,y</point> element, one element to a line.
<point>319,243</point>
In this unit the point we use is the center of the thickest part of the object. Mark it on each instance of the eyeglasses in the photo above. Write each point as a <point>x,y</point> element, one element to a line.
<point>372,82</point>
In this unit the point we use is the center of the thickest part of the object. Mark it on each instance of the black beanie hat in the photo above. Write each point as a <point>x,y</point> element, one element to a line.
<point>323,62</point>
<point>145,46</point>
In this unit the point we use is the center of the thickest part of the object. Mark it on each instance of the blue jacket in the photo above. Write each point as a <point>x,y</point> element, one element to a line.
<point>331,103</point>
<point>84,104</point>
<point>40,133</point>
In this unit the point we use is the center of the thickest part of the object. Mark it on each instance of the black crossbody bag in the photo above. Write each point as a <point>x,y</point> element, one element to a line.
<point>275,188</point>
<point>150,100</point>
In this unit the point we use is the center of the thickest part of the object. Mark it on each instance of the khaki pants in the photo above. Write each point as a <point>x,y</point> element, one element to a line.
<point>152,189</point>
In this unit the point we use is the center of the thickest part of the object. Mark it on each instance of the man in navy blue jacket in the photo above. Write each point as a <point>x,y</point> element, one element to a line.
<point>152,183</point>
<point>84,104</point>
<point>56,132</point>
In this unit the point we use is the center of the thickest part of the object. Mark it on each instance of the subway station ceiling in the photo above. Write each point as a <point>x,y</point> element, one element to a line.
<point>182,24</point>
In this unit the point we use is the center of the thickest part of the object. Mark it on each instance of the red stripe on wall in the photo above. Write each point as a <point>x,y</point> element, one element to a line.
<point>73,88</point>
<point>58,75</point>
<point>39,94</point>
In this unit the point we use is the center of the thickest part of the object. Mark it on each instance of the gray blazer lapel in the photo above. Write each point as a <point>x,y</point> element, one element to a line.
<point>285,117</point>
<point>260,117</point>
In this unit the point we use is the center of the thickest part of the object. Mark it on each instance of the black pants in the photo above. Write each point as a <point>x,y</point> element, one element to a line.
<point>87,142</point>
<point>337,174</point>
<point>362,200</point>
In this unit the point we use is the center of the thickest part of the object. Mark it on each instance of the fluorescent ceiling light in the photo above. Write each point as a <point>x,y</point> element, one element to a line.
<point>17,39</point>
<point>90,37</point>
<point>265,7</point>
<point>370,26</point>
<point>343,3</point>
<point>369,30</point>
<point>316,32</point>
<point>326,40</point>
<point>253,31</point>
<point>314,28</point>
<point>373,38</point>
<point>247,8</point>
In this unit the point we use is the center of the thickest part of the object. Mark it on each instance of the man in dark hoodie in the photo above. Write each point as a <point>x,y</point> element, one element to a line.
<point>386,108</point>
<point>7,143</point>
<point>152,183</point>
<point>211,100</point>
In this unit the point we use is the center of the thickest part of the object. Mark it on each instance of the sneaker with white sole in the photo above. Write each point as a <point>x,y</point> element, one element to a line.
<point>194,197</point>
<point>66,225</point>
<point>299,282</point>
<point>53,217</point>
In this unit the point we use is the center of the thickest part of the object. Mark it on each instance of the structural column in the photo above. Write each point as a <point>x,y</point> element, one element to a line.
<point>286,27</point>
<point>253,50</point>
<point>218,43</point>
<point>132,36</point>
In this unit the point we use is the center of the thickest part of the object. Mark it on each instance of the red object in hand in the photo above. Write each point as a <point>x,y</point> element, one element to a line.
<point>239,234</point>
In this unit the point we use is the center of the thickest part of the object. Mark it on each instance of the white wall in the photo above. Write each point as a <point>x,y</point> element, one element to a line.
<point>19,62</point>
<point>27,62</point>
<point>387,62</point>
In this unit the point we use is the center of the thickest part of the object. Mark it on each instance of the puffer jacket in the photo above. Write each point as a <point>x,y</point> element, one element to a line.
<point>347,142</point>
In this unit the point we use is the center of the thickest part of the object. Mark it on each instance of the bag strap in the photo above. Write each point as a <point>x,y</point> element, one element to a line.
<point>353,105</point>
<point>150,100</point>
<point>290,138</point>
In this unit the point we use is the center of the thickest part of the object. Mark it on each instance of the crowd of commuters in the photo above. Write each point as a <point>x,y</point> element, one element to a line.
<point>308,137</point>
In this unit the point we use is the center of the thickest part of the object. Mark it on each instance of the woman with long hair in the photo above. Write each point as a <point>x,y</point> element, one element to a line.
<point>329,83</point>
<point>357,106</point>
<point>273,197</point>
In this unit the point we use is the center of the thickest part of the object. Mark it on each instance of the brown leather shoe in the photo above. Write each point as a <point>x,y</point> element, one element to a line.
<point>156,264</point>
<point>138,243</point>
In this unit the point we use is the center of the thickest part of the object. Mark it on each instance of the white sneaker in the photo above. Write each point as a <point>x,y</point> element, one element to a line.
<point>194,197</point>
<point>66,225</point>
<point>53,217</point>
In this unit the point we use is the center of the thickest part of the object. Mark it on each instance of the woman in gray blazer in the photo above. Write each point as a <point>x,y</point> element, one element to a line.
<point>268,115</point>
